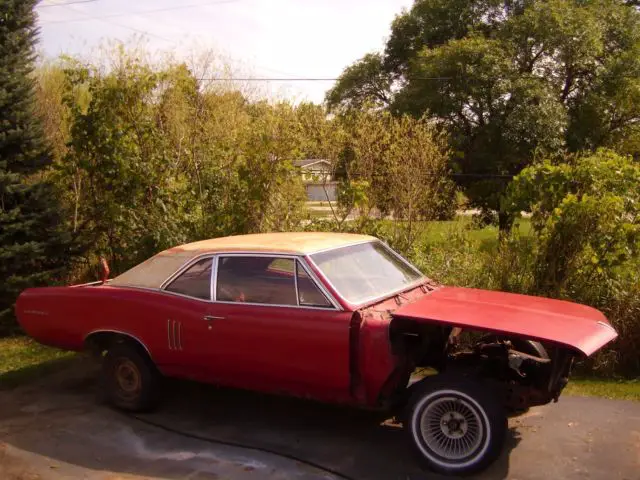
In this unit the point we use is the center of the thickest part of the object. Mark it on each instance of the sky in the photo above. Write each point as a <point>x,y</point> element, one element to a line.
<point>267,38</point>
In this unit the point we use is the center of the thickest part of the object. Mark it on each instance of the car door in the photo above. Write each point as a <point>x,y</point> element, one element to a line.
<point>186,306</point>
<point>271,328</point>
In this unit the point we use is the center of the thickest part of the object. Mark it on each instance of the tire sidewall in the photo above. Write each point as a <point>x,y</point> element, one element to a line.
<point>490,414</point>
<point>146,398</point>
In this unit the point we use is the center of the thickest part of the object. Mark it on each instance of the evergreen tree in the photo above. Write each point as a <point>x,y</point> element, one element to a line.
<point>34,245</point>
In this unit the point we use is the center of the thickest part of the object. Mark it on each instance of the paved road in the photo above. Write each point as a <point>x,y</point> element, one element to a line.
<point>56,428</point>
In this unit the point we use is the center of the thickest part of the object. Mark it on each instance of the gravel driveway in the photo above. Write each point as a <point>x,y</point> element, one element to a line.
<point>57,428</point>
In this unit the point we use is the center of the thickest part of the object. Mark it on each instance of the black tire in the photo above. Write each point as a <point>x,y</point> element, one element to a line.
<point>463,413</point>
<point>130,378</point>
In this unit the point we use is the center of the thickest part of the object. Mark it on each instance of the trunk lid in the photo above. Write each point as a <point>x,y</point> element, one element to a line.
<point>578,326</point>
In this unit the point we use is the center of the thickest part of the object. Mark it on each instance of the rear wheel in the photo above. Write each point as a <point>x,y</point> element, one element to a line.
<point>130,379</point>
<point>456,426</point>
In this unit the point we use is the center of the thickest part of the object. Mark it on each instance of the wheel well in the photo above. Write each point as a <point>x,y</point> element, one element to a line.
<point>424,344</point>
<point>99,342</point>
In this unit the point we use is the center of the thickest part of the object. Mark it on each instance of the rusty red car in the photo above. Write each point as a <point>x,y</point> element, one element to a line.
<point>332,317</point>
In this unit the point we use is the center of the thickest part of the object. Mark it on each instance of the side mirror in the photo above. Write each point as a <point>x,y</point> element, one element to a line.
<point>104,270</point>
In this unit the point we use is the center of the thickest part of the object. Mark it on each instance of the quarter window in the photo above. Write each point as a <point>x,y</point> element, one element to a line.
<point>265,280</point>
<point>308,292</point>
<point>195,281</point>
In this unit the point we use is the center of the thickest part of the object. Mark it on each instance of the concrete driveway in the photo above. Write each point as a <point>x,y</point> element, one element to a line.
<point>56,428</point>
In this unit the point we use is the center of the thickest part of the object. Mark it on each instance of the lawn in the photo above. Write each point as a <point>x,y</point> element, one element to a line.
<point>439,231</point>
<point>604,388</point>
<point>22,359</point>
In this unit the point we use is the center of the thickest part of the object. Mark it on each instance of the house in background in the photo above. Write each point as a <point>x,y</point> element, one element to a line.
<point>317,175</point>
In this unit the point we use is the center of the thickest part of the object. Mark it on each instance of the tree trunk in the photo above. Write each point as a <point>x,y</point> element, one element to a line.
<point>505,222</point>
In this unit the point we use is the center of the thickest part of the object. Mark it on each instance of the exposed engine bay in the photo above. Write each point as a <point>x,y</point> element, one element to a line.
<point>524,372</point>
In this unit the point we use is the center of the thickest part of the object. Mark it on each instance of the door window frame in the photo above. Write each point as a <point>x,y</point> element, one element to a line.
<point>298,261</point>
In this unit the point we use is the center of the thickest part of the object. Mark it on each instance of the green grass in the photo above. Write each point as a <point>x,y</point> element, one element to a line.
<point>604,388</point>
<point>22,359</point>
<point>437,232</point>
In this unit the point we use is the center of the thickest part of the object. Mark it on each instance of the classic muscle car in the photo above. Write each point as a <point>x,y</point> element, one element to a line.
<point>333,317</point>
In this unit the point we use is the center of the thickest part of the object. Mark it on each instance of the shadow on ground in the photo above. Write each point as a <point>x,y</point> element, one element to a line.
<point>78,430</point>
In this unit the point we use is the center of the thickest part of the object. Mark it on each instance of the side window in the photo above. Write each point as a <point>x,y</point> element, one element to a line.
<point>308,292</point>
<point>195,281</point>
<point>266,280</point>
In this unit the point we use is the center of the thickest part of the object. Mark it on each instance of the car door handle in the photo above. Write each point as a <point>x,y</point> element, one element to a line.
<point>210,318</point>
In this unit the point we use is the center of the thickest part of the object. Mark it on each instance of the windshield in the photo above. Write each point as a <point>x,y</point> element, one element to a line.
<point>364,272</point>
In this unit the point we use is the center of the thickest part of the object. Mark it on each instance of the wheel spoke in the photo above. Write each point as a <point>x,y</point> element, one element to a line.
<point>452,427</point>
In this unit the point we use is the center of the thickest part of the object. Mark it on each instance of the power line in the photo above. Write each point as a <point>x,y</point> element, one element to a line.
<point>141,12</point>
<point>143,32</point>
<point>75,2</point>
<point>304,79</point>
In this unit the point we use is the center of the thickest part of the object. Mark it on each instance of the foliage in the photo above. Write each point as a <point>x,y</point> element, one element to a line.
<point>586,217</point>
<point>511,81</point>
<point>586,240</point>
<point>363,84</point>
<point>152,158</point>
<point>35,247</point>
<point>395,166</point>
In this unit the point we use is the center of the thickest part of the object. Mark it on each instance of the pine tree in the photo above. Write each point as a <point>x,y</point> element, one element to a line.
<point>34,245</point>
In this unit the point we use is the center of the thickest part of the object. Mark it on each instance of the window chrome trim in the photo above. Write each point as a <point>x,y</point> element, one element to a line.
<point>370,300</point>
<point>278,305</point>
<point>163,287</point>
<point>214,278</point>
<point>314,278</point>
<point>320,285</point>
<point>214,272</point>
<point>328,249</point>
<point>295,281</point>
<point>403,260</point>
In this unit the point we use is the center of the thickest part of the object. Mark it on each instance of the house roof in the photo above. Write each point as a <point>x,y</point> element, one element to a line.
<point>154,271</point>
<point>307,162</point>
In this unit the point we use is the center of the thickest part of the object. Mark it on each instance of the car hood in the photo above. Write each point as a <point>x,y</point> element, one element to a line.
<point>578,326</point>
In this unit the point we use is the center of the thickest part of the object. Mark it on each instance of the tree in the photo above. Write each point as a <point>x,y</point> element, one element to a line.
<point>35,247</point>
<point>395,165</point>
<point>585,219</point>
<point>512,80</point>
<point>364,83</point>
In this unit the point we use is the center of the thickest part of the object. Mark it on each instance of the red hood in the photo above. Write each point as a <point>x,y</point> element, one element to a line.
<point>572,324</point>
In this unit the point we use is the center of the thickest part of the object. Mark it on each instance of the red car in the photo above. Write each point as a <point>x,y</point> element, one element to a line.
<point>333,317</point>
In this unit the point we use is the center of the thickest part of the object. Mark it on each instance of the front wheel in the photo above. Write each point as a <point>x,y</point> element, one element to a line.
<point>456,426</point>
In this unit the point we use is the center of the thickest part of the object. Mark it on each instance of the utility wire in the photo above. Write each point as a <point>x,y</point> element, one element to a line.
<point>49,5</point>
<point>303,79</point>
<point>117,24</point>
<point>141,12</point>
